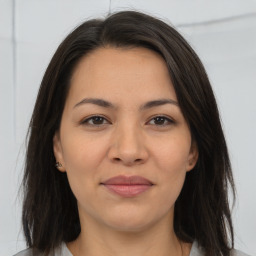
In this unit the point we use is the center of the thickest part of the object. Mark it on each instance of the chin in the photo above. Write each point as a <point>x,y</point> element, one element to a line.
<point>129,223</point>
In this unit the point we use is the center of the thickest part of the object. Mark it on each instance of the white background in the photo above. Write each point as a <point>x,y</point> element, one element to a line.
<point>222,32</point>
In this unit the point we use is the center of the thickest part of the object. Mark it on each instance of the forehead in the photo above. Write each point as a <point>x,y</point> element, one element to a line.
<point>125,72</point>
<point>118,58</point>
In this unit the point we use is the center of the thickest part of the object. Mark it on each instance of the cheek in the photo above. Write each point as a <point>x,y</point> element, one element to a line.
<point>171,159</point>
<point>82,153</point>
<point>82,157</point>
<point>172,155</point>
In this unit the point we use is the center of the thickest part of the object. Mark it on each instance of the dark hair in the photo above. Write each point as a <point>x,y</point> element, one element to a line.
<point>202,211</point>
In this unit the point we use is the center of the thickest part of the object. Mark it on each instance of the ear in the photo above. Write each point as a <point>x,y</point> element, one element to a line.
<point>57,150</point>
<point>193,156</point>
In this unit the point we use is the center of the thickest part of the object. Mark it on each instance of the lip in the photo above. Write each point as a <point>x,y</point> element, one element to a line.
<point>127,180</point>
<point>127,186</point>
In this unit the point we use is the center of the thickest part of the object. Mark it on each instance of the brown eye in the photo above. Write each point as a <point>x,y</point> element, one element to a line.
<point>161,121</point>
<point>95,121</point>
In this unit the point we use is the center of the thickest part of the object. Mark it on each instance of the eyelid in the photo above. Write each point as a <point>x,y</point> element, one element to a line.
<point>168,118</point>
<point>87,119</point>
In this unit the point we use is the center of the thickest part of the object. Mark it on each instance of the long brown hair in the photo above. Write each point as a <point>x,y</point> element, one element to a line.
<point>202,212</point>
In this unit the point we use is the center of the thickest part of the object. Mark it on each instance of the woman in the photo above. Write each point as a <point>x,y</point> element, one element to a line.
<point>126,154</point>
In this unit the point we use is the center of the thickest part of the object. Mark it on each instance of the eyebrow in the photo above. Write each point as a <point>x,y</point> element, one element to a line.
<point>106,104</point>
<point>159,102</point>
<point>95,101</point>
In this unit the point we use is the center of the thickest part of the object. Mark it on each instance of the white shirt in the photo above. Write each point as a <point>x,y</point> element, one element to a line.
<point>64,251</point>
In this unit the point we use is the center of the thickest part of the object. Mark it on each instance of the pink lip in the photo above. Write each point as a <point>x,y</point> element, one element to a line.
<point>127,186</point>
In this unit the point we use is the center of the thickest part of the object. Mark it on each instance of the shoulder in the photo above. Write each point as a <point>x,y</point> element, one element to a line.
<point>61,250</point>
<point>196,250</point>
<point>238,253</point>
<point>27,252</point>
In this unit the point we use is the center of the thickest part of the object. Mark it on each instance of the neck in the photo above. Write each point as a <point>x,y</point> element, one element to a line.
<point>158,239</point>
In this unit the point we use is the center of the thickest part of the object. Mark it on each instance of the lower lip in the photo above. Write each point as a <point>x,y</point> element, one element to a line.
<point>128,190</point>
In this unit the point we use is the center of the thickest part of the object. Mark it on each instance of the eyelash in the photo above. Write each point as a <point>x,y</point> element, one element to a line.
<point>86,121</point>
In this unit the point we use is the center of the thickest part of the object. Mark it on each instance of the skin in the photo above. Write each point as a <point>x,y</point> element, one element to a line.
<point>127,140</point>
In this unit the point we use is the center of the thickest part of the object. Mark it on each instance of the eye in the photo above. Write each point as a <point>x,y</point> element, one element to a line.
<point>95,121</point>
<point>161,121</point>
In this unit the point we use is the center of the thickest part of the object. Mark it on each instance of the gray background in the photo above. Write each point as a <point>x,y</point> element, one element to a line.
<point>222,32</point>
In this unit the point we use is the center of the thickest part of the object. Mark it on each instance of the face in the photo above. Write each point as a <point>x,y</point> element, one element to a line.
<point>121,117</point>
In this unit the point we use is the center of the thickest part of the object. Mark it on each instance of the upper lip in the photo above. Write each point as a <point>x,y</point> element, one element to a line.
<point>127,180</point>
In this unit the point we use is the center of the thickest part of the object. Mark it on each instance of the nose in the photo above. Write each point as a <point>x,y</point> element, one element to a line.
<point>128,146</point>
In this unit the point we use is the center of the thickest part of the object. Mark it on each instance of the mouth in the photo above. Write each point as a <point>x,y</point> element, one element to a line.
<point>127,186</point>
